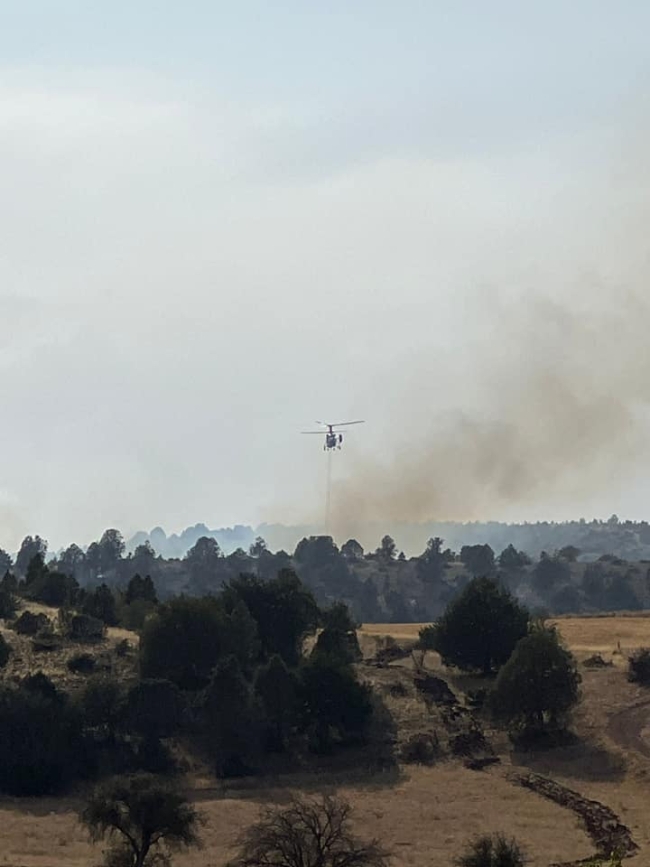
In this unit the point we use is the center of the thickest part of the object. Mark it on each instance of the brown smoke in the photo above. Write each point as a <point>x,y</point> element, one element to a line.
<point>563,388</point>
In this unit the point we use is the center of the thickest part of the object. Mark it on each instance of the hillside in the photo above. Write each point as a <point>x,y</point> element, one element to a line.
<point>424,813</point>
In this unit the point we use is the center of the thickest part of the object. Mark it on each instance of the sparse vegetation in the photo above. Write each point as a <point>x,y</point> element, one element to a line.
<point>494,850</point>
<point>82,663</point>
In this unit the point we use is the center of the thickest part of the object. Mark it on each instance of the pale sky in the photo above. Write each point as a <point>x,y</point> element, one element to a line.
<point>220,221</point>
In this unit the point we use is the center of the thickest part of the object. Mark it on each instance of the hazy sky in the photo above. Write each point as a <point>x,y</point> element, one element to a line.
<point>220,221</point>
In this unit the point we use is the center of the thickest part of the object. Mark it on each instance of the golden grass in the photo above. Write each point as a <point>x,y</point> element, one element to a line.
<point>593,634</point>
<point>424,818</point>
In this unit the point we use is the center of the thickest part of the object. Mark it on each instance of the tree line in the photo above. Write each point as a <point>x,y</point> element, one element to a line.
<point>381,585</point>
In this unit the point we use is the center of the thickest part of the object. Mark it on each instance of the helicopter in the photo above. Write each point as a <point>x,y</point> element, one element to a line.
<point>333,438</point>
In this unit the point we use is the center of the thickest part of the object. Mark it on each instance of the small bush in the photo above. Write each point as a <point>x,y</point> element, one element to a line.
<point>469,743</point>
<point>398,689</point>
<point>30,624</point>
<point>122,648</point>
<point>492,851</point>
<point>421,749</point>
<point>82,663</point>
<point>46,642</point>
<point>639,667</point>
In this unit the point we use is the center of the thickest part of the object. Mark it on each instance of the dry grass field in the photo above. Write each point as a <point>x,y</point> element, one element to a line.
<point>425,814</point>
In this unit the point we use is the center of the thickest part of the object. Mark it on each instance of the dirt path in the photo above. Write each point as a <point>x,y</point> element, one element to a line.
<point>627,728</point>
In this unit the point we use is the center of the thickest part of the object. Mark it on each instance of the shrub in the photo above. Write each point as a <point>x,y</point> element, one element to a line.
<point>493,851</point>
<point>46,642</point>
<point>422,748</point>
<point>29,623</point>
<point>82,663</point>
<point>122,648</point>
<point>639,667</point>
<point>84,628</point>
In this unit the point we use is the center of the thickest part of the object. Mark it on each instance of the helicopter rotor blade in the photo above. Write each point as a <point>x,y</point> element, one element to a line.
<point>320,433</point>
<point>346,423</point>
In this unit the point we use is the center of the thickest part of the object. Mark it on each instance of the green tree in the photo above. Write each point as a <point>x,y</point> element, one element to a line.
<point>143,559</point>
<point>41,745</point>
<point>48,587</point>
<point>72,561</point>
<point>111,550</point>
<point>153,710</point>
<point>30,547</point>
<point>431,563</point>
<point>336,707</point>
<point>511,560</point>
<point>101,703</point>
<point>569,553</point>
<point>258,547</point>
<point>204,562</point>
<point>387,550</point>
<point>232,719</point>
<point>9,582</point>
<point>7,604</point>
<point>183,641</point>
<point>479,559</point>
<point>276,689</point>
<point>338,638</point>
<point>100,603</point>
<point>538,686</point>
<point>479,629</point>
<point>352,550</point>
<point>549,572</point>
<point>141,588</point>
<point>36,571</point>
<point>308,833</point>
<point>5,562</point>
<point>284,610</point>
<point>144,814</point>
<point>241,637</point>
